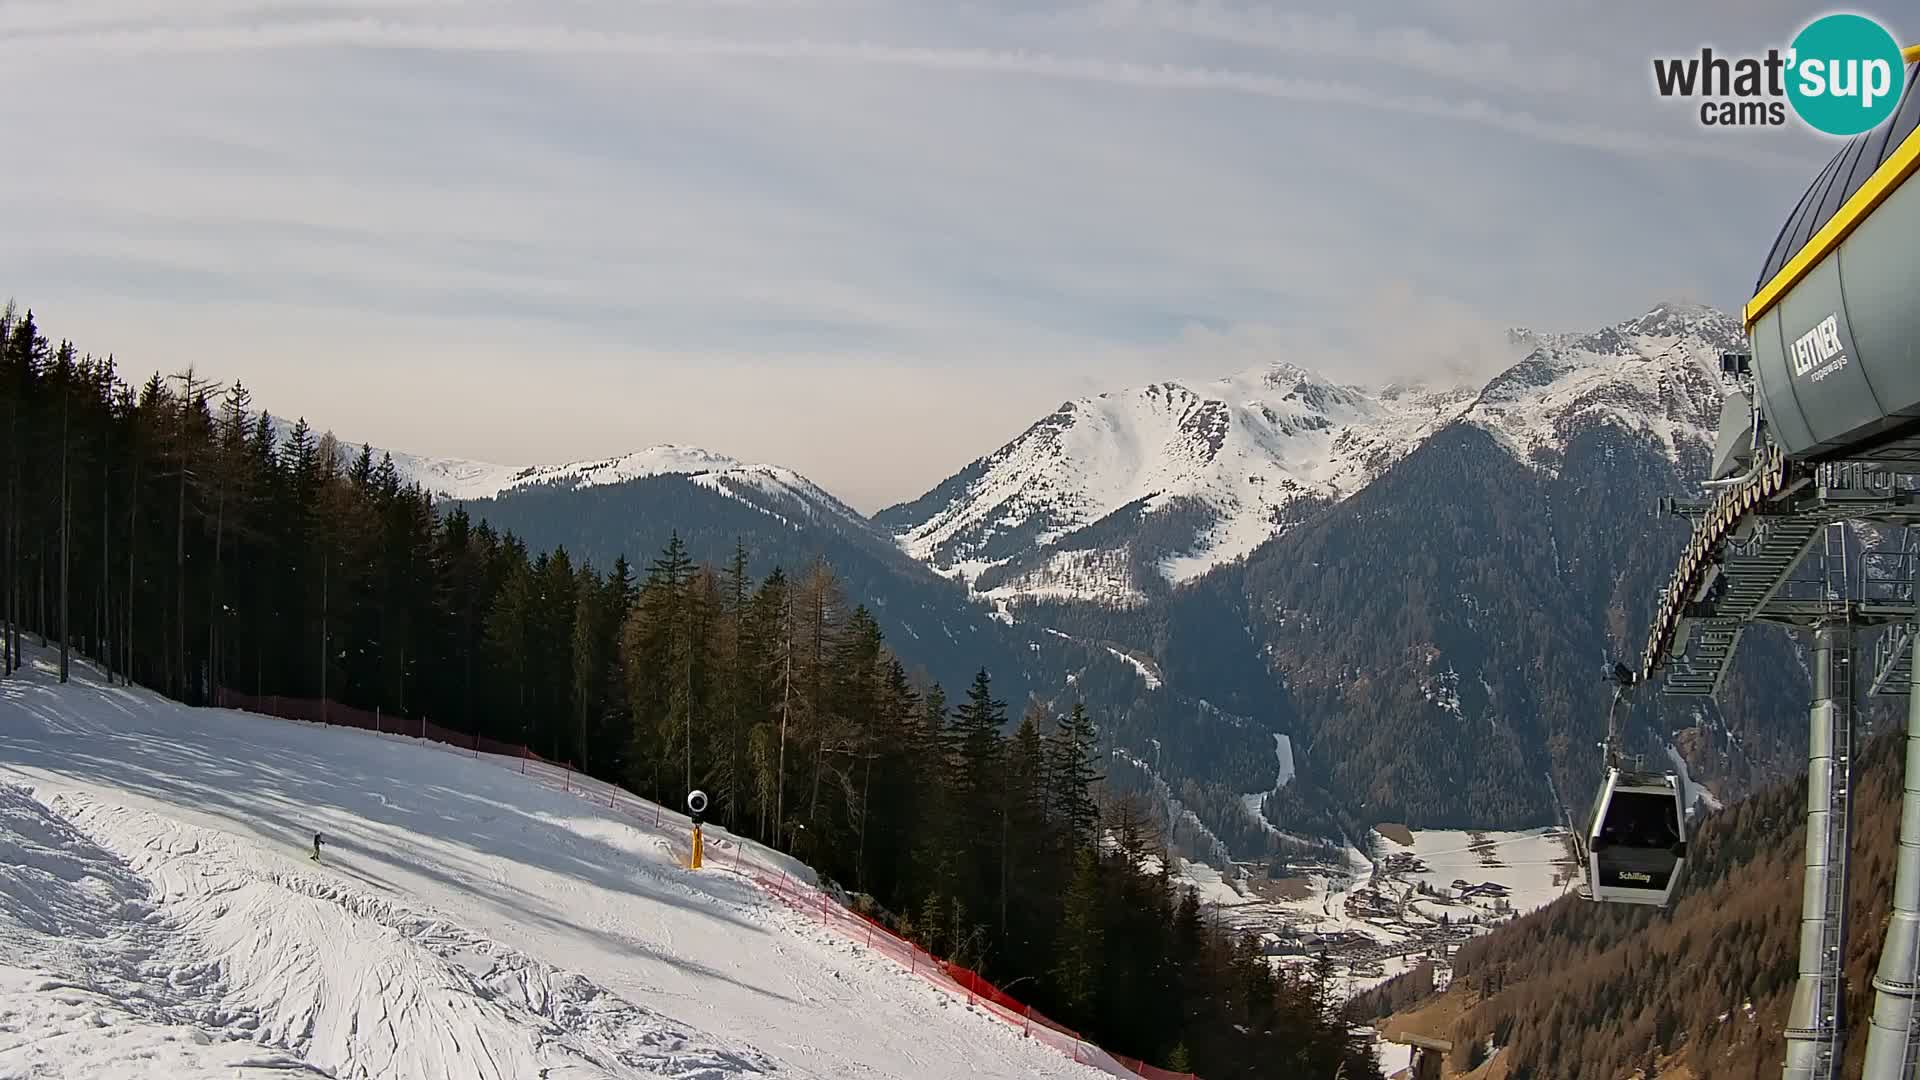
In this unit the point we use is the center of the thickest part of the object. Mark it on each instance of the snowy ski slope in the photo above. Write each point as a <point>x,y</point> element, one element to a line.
<point>159,916</point>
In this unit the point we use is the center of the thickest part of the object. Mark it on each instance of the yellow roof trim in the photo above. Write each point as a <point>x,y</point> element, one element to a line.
<point>1911,55</point>
<point>1884,182</point>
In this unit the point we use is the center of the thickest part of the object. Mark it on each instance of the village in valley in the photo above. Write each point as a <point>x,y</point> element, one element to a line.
<point>1411,897</point>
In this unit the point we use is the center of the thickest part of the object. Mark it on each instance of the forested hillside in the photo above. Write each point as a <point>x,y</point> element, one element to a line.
<point>1512,590</point>
<point>1583,991</point>
<point>1435,641</point>
<point>1211,756</point>
<point>931,621</point>
<point>171,535</point>
<point>1436,644</point>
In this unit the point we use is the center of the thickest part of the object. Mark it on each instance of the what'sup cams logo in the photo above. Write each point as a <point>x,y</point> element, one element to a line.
<point>1842,75</point>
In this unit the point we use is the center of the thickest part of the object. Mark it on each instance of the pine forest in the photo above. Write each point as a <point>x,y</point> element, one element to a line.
<point>176,535</point>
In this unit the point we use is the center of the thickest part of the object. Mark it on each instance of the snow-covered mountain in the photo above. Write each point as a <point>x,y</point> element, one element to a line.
<point>761,485</point>
<point>1214,469</point>
<point>1112,496</point>
<point>1655,375</point>
<point>1326,498</point>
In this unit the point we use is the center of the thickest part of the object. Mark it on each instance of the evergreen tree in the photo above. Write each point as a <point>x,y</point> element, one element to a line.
<point>1082,937</point>
<point>195,550</point>
<point>509,643</point>
<point>1072,776</point>
<point>1032,871</point>
<point>977,794</point>
<point>589,676</point>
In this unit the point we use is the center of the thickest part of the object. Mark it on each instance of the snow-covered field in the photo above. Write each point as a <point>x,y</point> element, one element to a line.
<point>1399,925</point>
<point>1527,863</point>
<point>159,917</point>
<point>1393,1057</point>
<point>1212,888</point>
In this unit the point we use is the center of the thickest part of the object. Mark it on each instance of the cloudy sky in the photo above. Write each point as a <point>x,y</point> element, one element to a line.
<point>871,239</point>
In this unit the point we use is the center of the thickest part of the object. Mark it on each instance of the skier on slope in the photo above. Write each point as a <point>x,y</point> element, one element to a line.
<point>316,848</point>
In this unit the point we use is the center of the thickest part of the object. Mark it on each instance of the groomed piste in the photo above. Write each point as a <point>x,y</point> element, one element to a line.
<point>160,916</point>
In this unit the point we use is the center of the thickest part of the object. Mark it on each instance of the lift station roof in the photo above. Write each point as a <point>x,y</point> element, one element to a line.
<point>1839,181</point>
<point>1835,318</point>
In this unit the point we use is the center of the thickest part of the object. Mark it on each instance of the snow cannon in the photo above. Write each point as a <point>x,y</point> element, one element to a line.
<point>1833,323</point>
<point>696,806</point>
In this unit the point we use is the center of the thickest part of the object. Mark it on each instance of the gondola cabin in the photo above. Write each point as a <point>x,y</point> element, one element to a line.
<point>1637,842</point>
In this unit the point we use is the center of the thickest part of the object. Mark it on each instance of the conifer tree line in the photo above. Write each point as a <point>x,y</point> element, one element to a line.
<point>182,539</point>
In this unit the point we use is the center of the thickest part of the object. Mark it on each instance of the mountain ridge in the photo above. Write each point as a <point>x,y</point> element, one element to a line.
<point>1237,652</point>
<point>1176,478</point>
<point>461,479</point>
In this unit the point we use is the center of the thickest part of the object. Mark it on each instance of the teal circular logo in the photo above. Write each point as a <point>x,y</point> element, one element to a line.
<point>1845,74</point>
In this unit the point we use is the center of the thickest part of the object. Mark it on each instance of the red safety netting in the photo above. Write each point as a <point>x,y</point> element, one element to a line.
<point>726,854</point>
<point>324,711</point>
<point>1150,1072</point>
<point>817,904</point>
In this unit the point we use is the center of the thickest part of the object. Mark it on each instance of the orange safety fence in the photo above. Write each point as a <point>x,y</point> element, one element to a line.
<point>814,903</point>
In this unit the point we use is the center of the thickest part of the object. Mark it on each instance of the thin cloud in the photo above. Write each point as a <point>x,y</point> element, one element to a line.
<point>66,16</point>
<point>870,239</point>
<point>550,40</point>
<point>1491,63</point>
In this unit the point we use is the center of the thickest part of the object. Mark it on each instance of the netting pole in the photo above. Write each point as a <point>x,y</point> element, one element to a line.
<point>376,719</point>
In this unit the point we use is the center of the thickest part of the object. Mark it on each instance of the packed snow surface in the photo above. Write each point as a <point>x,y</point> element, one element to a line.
<point>159,916</point>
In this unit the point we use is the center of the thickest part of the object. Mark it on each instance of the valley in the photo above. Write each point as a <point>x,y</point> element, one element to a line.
<point>1210,566</point>
<point>1145,539</point>
<point>1410,898</point>
<point>1346,743</point>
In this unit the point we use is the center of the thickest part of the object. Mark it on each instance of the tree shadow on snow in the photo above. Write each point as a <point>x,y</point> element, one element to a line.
<point>263,777</point>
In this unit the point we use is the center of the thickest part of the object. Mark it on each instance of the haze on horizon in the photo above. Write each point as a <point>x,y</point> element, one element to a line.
<point>870,239</point>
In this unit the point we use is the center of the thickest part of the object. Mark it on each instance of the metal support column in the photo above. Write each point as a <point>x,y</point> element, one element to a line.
<point>1893,1042</point>
<point>1816,1025</point>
